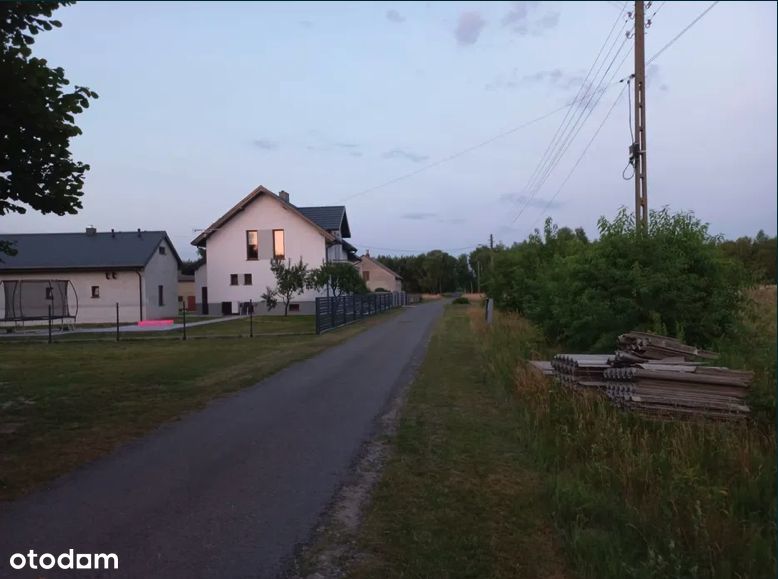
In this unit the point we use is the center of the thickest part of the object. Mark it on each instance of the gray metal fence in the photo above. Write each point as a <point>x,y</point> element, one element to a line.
<point>334,312</point>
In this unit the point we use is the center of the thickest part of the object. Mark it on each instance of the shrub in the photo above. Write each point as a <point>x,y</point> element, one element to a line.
<point>671,279</point>
<point>461,300</point>
<point>380,290</point>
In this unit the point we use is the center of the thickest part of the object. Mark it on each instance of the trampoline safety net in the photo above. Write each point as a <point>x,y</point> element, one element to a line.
<point>30,299</point>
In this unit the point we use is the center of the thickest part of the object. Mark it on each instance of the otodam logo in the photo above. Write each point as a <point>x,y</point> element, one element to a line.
<point>67,560</point>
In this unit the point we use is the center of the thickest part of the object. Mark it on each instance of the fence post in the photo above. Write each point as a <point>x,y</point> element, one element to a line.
<point>251,318</point>
<point>117,321</point>
<point>49,323</point>
<point>489,310</point>
<point>184,313</point>
<point>316,315</point>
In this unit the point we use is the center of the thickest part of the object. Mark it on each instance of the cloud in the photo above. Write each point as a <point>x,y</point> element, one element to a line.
<point>518,19</point>
<point>265,144</point>
<point>522,200</point>
<point>548,21</point>
<point>554,78</point>
<point>469,28</point>
<point>517,15</point>
<point>394,16</point>
<point>407,155</point>
<point>418,215</point>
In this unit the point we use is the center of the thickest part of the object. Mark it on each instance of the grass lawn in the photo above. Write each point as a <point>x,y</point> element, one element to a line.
<point>458,497</point>
<point>64,404</point>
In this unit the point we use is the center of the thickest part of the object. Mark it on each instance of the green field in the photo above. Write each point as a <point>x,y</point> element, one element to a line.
<point>66,403</point>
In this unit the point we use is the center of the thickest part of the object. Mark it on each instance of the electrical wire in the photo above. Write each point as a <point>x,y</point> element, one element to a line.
<point>681,33</point>
<point>587,109</point>
<point>457,154</point>
<point>580,158</point>
<point>580,95</point>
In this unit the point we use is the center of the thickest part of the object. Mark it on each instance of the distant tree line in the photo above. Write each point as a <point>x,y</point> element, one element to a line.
<point>676,278</point>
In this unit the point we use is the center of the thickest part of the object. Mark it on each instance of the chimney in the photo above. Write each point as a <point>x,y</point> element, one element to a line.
<point>284,195</point>
<point>91,230</point>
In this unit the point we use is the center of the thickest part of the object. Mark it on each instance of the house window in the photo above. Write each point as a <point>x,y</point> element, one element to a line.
<point>233,279</point>
<point>366,275</point>
<point>247,279</point>
<point>294,307</point>
<point>252,245</point>
<point>49,293</point>
<point>161,296</point>
<point>95,291</point>
<point>278,243</point>
<point>162,250</point>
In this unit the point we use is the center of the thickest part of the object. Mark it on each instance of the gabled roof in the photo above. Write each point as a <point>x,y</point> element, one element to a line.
<point>248,200</point>
<point>330,217</point>
<point>82,251</point>
<point>381,265</point>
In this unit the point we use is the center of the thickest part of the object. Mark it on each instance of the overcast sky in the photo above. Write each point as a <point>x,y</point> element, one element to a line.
<point>201,102</point>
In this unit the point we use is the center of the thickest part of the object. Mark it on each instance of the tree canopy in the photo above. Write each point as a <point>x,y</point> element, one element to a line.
<point>37,118</point>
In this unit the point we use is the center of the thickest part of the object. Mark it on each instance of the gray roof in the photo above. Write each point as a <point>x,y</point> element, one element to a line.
<point>329,217</point>
<point>66,251</point>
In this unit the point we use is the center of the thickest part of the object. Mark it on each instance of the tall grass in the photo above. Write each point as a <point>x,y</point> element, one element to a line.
<point>639,498</point>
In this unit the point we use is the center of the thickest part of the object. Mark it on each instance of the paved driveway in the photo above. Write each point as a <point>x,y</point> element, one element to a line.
<point>231,490</point>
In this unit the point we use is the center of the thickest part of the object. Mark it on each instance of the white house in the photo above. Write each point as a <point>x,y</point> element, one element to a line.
<point>264,226</point>
<point>82,276</point>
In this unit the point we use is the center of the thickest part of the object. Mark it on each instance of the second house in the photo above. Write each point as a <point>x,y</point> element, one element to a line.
<point>240,245</point>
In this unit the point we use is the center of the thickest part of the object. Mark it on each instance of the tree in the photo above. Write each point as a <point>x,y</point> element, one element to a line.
<point>341,277</point>
<point>291,280</point>
<point>37,169</point>
<point>189,266</point>
<point>270,297</point>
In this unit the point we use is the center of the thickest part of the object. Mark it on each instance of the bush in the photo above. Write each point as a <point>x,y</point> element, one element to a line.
<point>461,300</point>
<point>380,290</point>
<point>672,279</point>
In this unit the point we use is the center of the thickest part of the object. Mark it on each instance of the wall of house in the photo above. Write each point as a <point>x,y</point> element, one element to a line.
<point>379,277</point>
<point>186,289</point>
<point>120,287</point>
<point>161,270</point>
<point>226,250</point>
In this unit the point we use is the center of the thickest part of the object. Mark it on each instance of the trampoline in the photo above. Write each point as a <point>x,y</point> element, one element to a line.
<point>29,300</point>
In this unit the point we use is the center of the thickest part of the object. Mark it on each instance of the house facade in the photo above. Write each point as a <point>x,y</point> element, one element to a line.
<point>379,277</point>
<point>84,275</point>
<point>240,245</point>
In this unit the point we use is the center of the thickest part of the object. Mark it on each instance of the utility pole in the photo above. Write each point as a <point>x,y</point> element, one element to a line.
<point>638,152</point>
<point>491,241</point>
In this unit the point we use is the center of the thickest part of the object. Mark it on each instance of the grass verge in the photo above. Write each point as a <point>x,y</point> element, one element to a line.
<point>639,498</point>
<point>64,404</point>
<point>457,498</point>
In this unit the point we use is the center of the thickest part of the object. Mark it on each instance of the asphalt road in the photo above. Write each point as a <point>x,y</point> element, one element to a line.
<point>232,490</point>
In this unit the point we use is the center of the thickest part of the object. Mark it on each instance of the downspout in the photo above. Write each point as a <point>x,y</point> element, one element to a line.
<point>140,294</point>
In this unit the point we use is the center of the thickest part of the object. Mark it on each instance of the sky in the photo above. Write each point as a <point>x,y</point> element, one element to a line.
<point>420,117</point>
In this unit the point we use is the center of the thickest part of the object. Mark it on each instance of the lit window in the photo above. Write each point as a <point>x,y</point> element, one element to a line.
<point>252,245</point>
<point>247,279</point>
<point>233,279</point>
<point>278,243</point>
<point>95,291</point>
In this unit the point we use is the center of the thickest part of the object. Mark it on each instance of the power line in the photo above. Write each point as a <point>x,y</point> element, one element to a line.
<point>580,121</point>
<point>681,33</point>
<point>585,85</point>
<point>580,158</point>
<point>457,154</point>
